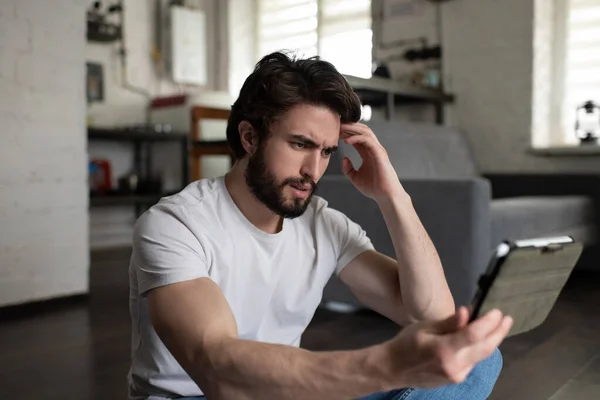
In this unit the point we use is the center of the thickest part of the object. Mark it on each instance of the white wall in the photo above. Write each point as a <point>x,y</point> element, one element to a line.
<point>496,65</point>
<point>488,60</point>
<point>44,250</point>
<point>123,106</point>
<point>491,67</point>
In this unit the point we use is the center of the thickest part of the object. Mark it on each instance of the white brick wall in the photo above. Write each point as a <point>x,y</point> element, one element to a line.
<point>16,35</point>
<point>44,249</point>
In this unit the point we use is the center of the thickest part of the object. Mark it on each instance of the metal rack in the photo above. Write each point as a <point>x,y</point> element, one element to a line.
<point>139,136</point>
<point>388,93</point>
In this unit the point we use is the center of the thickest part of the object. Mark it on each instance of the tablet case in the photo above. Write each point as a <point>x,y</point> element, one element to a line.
<point>526,282</point>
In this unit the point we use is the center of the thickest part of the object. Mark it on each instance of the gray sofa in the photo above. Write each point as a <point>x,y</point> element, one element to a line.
<point>454,203</point>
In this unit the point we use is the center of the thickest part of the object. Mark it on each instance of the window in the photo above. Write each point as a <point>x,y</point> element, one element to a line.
<point>581,77</point>
<point>337,30</point>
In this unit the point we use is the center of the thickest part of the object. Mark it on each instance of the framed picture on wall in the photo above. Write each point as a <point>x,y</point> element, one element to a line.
<point>94,82</point>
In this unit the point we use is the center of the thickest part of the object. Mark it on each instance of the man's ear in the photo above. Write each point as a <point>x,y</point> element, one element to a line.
<point>248,137</point>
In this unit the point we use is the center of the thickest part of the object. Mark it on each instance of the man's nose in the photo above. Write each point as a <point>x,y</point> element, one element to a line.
<point>312,166</point>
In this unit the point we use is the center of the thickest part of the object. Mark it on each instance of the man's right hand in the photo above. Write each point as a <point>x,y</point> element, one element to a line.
<point>436,353</point>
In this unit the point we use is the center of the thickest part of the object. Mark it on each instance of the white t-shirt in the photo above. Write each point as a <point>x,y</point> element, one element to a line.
<point>272,282</point>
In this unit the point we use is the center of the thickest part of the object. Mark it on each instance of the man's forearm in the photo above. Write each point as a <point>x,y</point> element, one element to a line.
<point>243,369</point>
<point>425,292</point>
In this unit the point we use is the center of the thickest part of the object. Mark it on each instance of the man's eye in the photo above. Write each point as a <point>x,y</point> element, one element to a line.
<point>328,153</point>
<point>298,145</point>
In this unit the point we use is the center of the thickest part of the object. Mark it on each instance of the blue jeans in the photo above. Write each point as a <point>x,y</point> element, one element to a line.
<point>477,386</point>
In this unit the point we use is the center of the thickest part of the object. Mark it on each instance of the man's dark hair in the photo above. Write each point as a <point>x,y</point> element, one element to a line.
<point>280,82</point>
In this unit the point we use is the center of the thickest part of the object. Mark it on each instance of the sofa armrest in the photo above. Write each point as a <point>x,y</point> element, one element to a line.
<point>455,213</point>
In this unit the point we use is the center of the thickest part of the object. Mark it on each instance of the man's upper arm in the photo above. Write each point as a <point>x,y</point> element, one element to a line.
<point>189,317</point>
<point>187,309</point>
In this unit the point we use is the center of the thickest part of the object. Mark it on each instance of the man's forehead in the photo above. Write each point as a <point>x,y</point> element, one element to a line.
<point>315,123</point>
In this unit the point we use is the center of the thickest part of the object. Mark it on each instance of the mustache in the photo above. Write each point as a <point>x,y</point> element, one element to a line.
<point>300,182</point>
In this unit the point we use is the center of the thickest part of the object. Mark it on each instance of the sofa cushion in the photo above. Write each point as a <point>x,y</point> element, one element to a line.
<point>528,217</point>
<point>416,150</point>
<point>419,150</point>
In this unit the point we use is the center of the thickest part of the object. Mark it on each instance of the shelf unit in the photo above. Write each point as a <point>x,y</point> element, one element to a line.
<point>139,137</point>
<point>199,146</point>
<point>123,200</point>
<point>388,93</point>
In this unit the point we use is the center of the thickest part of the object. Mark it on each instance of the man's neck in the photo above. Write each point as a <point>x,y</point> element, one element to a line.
<point>254,210</point>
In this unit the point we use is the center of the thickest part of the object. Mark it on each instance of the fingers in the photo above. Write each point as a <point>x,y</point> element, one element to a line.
<point>356,129</point>
<point>464,315</point>
<point>480,328</point>
<point>359,142</point>
<point>481,337</point>
<point>484,348</point>
<point>459,351</point>
<point>500,334</point>
<point>365,145</point>
<point>362,138</point>
<point>356,133</point>
<point>346,133</point>
<point>453,323</point>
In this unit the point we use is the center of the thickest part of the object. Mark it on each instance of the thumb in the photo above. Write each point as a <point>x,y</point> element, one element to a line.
<point>348,168</point>
<point>453,322</point>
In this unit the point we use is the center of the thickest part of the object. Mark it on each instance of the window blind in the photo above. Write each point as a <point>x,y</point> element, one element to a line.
<point>337,30</point>
<point>288,25</point>
<point>345,35</point>
<point>582,72</point>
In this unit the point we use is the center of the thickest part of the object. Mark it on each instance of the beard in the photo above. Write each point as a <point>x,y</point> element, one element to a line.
<point>265,187</point>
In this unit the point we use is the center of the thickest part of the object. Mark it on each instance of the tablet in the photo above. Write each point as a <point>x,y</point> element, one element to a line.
<point>524,279</point>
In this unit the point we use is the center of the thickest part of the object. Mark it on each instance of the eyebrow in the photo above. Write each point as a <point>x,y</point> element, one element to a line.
<point>312,143</point>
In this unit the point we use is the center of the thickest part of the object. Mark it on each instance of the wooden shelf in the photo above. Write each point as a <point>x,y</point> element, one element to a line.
<point>200,147</point>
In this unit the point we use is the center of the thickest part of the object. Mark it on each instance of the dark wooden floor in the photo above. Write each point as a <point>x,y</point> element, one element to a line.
<point>82,351</point>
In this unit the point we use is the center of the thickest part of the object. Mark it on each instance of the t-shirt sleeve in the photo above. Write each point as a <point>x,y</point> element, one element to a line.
<point>165,250</point>
<point>350,239</point>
